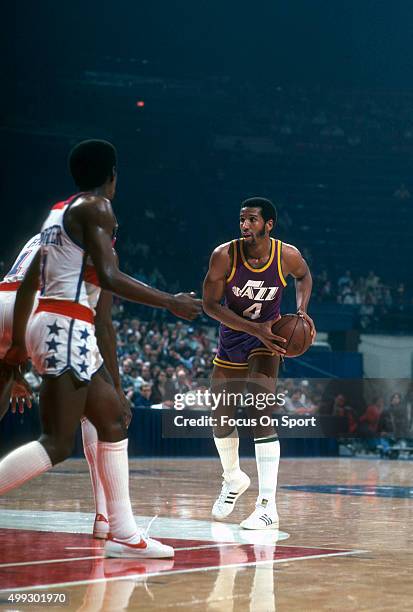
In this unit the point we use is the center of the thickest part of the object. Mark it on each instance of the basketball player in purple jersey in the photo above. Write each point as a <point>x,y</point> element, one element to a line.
<point>248,275</point>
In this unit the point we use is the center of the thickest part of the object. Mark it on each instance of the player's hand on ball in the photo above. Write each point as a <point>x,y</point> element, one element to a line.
<point>271,341</point>
<point>309,320</point>
<point>185,306</point>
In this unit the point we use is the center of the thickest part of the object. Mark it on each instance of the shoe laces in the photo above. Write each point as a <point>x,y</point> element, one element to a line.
<point>224,492</point>
<point>146,532</point>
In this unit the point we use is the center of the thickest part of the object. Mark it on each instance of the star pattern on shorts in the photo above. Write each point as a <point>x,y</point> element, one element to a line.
<point>52,344</point>
<point>54,329</point>
<point>51,362</point>
<point>83,367</point>
<point>84,334</point>
<point>83,350</point>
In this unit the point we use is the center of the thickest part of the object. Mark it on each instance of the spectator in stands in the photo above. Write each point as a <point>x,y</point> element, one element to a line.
<point>162,389</point>
<point>342,409</point>
<point>297,403</point>
<point>372,281</point>
<point>142,398</point>
<point>369,423</point>
<point>345,280</point>
<point>347,296</point>
<point>386,425</point>
<point>145,376</point>
<point>128,375</point>
<point>183,384</point>
<point>399,415</point>
<point>400,298</point>
<point>408,400</point>
<point>367,311</point>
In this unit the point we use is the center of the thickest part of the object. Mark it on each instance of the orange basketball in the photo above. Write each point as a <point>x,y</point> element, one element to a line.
<point>296,331</point>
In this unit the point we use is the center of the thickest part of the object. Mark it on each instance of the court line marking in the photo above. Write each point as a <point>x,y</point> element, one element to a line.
<point>83,547</point>
<point>218,545</point>
<point>221,545</point>
<point>69,559</point>
<point>141,577</point>
<point>48,561</point>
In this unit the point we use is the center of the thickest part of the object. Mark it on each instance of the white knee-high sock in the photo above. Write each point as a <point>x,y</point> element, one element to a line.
<point>90,447</point>
<point>114,472</point>
<point>22,464</point>
<point>228,453</point>
<point>267,455</point>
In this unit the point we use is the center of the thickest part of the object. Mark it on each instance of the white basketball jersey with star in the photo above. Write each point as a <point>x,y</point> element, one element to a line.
<point>67,272</point>
<point>9,287</point>
<point>23,261</point>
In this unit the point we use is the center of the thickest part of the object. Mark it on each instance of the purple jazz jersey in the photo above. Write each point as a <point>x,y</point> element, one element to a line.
<point>254,293</point>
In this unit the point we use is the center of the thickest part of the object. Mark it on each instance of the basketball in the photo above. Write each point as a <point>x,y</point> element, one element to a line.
<point>296,331</point>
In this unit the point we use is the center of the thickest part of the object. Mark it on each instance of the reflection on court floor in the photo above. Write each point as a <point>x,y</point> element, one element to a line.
<point>38,558</point>
<point>376,491</point>
<point>348,545</point>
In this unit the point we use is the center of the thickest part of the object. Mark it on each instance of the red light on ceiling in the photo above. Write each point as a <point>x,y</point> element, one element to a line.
<point>140,103</point>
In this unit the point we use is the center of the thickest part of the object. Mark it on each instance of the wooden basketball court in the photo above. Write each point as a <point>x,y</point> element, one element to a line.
<point>349,547</point>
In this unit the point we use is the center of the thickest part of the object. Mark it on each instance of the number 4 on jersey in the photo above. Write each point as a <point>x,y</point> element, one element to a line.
<point>253,312</point>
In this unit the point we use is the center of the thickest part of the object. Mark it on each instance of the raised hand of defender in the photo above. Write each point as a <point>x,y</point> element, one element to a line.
<point>271,341</point>
<point>186,306</point>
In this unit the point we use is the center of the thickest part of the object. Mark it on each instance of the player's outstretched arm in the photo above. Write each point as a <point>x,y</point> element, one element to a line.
<point>213,292</point>
<point>294,263</point>
<point>97,223</point>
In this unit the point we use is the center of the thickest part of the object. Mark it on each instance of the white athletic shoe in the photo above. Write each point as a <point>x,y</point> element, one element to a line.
<point>230,492</point>
<point>100,527</point>
<point>146,548</point>
<point>263,517</point>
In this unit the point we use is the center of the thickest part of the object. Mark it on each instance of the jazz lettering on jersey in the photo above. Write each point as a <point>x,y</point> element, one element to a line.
<point>254,290</point>
<point>52,235</point>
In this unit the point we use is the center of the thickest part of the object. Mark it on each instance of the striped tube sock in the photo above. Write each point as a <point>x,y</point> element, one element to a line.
<point>23,464</point>
<point>267,455</point>
<point>114,471</point>
<point>228,453</point>
<point>90,447</point>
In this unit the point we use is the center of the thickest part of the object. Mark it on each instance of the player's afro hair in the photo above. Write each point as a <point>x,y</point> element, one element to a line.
<point>268,210</point>
<point>91,163</point>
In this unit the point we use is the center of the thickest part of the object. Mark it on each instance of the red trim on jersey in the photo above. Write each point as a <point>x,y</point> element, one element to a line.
<point>90,276</point>
<point>10,286</point>
<point>66,308</point>
<point>64,203</point>
<point>59,205</point>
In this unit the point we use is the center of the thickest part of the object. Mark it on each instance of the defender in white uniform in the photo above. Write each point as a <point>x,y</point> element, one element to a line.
<point>62,342</point>
<point>61,333</point>
<point>8,287</point>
